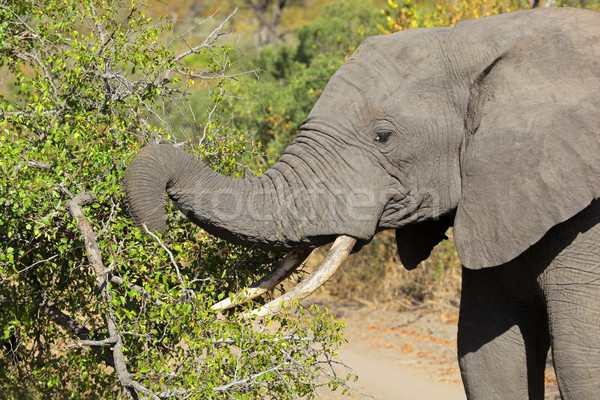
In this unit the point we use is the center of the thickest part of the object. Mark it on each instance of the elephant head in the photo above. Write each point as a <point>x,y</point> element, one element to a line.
<point>492,126</point>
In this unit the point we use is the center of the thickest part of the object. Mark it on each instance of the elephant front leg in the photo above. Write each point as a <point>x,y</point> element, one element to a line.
<point>573,297</point>
<point>571,287</point>
<point>575,332</point>
<point>502,345</point>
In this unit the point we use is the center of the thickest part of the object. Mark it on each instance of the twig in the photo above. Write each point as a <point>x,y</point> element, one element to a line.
<point>38,164</point>
<point>184,288</point>
<point>98,26</point>
<point>93,343</point>
<point>29,267</point>
<point>250,378</point>
<point>210,39</point>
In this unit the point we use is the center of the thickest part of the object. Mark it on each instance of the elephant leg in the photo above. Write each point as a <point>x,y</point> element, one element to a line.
<point>502,343</point>
<point>576,344</point>
<point>571,285</point>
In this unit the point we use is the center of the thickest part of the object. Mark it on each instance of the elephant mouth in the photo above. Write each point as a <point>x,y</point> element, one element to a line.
<point>338,253</point>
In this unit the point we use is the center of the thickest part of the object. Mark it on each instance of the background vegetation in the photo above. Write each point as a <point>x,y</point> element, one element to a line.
<point>91,307</point>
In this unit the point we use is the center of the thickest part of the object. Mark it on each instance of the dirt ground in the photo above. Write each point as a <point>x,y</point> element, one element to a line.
<point>402,355</point>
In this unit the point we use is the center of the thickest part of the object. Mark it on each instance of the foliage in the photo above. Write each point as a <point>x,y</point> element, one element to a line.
<point>406,14</point>
<point>589,4</point>
<point>91,308</point>
<point>293,75</point>
<point>268,14</point>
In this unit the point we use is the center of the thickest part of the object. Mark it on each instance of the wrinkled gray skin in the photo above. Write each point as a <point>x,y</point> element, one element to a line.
<point>492,127</point>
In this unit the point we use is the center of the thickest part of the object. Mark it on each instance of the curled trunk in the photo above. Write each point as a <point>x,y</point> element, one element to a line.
<point>286,207</point>
<point>239,210</point>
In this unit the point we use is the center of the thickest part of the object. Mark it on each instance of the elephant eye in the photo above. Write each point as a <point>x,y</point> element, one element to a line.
<point>383,136</point>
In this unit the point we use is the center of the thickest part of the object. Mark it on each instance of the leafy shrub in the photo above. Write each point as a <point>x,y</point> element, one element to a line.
<point>91,307</point>
<point>407,14</point>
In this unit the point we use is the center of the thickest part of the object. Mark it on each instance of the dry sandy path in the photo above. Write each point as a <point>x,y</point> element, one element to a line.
<point>401,355</point>
<point>383,379</point>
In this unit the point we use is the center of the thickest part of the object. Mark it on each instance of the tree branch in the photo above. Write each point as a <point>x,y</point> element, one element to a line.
<point>91,245</point>
<point>210,39</point>
<point>74,328</point>
<point>103,281</point>
<point>250,378</point>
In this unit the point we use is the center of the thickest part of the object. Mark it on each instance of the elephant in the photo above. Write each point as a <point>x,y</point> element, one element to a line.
<point>491,127</point>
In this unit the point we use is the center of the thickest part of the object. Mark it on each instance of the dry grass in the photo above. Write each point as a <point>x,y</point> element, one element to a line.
<point>375,275</point>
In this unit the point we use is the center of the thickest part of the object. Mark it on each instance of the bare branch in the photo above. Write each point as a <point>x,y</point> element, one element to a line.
<point>210,39</point>
<point>251,378</point>
<point>213,75</point>
<point>89,237</point>
<point>99,28</point>
<point>93,343</point>
<point>38,164</point>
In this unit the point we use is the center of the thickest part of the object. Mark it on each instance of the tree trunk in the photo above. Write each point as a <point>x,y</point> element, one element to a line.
<point>268,13</point>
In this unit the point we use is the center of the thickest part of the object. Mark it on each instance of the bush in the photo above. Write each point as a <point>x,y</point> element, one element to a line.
<point>92,308</point>
<point>293,75</point>
<point>407,14</point>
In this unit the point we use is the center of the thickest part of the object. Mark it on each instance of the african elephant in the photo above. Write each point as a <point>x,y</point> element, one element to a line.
<point>492,127</point>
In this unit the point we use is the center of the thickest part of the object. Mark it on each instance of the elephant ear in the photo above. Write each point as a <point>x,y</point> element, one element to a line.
<point>415,242</point>
<point>531,157</point>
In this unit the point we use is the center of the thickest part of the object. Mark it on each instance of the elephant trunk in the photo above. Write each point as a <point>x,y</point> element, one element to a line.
<point>260,211</point>
<point>238,210</point>
<point>146,181</point>
<point>271,211</point>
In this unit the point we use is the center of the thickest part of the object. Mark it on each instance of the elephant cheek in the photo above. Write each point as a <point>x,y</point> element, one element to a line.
<point>362,210</point>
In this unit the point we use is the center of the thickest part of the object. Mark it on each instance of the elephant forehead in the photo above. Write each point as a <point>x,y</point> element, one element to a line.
<point>357,95</point>
<point>354,93</point>
<point>350,91</point>
<point>384,73</point>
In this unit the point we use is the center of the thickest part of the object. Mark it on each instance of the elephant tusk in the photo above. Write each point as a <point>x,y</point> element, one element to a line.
<point>283,270</point>
<point>340,250</point>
